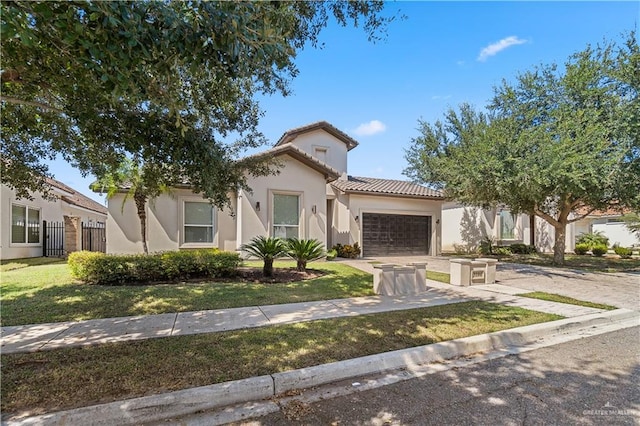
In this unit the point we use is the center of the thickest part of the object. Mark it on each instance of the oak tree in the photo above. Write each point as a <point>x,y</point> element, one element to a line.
<point>557,143</point>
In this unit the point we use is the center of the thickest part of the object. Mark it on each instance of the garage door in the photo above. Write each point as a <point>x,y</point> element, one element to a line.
<point>395,235</point>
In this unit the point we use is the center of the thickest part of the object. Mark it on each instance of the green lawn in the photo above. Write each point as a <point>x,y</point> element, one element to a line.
<point>61,379</point>
<point>47,293</point>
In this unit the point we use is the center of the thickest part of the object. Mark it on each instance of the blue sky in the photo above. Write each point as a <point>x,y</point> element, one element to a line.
<point>441,55</point>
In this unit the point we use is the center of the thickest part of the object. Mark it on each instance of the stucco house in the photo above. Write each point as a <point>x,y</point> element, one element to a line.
<point>464,227</point>
<point>22,223</point>
<point>312,196</point>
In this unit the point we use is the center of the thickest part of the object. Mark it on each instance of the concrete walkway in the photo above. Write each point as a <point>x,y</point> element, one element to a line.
<point>621,290</point>
<point>29,338</point>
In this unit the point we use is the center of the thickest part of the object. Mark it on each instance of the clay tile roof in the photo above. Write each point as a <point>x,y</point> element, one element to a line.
<point>291,134</point>
<point>75,198</point>
<point>392,187</point>
<point>329,172</point>
<point>613,210</point>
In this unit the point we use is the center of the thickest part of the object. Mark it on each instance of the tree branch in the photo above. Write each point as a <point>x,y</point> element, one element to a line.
<point>546,217</point>
<point>30,103</point>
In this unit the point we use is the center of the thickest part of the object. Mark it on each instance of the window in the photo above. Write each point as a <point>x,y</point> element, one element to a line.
<point>507,226</point>
<point>25,225</point>
<point>198,222</point>
<point>286,216</point>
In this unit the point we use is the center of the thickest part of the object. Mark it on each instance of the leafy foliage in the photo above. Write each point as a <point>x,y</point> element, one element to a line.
<point>632,222</point>
<point>551,143</point>
<point>108,269</point>
<point>267,249</point>
<point>347,250</point>
<point>592,239</point>
<point>303,251</point>
<point>519,248</point>
<point>168,82</point>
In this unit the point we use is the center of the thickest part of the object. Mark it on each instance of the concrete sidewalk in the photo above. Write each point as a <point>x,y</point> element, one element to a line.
<point>30,338</point>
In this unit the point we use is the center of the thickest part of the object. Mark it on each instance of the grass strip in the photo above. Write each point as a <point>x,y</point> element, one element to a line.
<point>439,276</point>
<point>551,297</point>
<point>66,378</point>
<point>47,293</point>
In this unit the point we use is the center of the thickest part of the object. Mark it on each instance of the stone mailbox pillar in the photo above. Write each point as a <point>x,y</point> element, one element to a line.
<point>72,234</point>
<point>460,270</point>
<point>490,272</point>
<point>383,281</point>
<point>405,280</point>
<point>421,275</point>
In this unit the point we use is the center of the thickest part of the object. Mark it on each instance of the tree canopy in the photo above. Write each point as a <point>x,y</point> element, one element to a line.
<point>166,82</point>
<point>551,143</point>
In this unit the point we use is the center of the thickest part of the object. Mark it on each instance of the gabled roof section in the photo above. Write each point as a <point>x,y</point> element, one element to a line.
<point>390,187</point>
<point>290,135</point>
<point>293,151</point>
<point>73,197</point>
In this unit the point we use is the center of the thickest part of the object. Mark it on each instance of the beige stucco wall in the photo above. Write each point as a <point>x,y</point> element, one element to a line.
<point>164,215</point>
<point>464,227</point>
<point>347,230</point>
<point>336,156</point>
<point>50,210</point>
<point>294,178</point>
<point>164,224</point>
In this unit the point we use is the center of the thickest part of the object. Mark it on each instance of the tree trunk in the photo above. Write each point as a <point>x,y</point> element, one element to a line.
<point>141,201</point>
<point>302,265</point>
<point>267,269</point>
<point>559,244</point>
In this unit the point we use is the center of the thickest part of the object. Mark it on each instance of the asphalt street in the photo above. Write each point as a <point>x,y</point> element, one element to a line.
<point>591,381</point>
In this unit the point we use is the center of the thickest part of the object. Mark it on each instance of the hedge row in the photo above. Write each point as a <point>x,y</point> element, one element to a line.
<point>111,269</point>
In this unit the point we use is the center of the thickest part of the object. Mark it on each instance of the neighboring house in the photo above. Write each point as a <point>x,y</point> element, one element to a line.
<point>312,196</point>
<point>21,227</point>
<point>463,228</point>
<point>608,222</point>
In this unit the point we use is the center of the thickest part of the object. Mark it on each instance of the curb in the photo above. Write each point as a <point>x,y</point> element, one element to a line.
<point>165,406</point>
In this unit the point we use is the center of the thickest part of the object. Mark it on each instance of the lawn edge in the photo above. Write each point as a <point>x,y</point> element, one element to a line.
<point>160,407</point>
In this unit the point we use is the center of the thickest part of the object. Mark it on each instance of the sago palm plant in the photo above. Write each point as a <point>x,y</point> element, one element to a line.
<point>267,249</point>
<point>303,251</point>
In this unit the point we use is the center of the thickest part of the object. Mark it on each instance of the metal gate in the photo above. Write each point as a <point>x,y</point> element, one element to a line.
<point>94,237</point>
<point>53,244</point>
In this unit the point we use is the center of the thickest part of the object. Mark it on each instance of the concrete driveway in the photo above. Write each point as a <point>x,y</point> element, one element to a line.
<point>618,289</point>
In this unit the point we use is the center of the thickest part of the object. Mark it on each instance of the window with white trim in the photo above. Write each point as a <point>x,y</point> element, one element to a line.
<point>286,216</point>
<point>507,225</point>
<point>25,225</point>
<point>198,224</point>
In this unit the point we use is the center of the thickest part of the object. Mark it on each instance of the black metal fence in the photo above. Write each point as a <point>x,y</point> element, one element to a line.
<point>94,237</point>
<point>53,234</point>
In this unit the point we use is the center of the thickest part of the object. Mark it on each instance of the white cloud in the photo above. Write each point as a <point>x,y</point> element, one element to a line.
<point>499,46</point>
<point>370,128</point>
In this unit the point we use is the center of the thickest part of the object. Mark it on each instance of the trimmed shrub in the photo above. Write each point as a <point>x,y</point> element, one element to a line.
<point>599,250</point>
<point>348,251</point>
<point>623,252</point>
<point>581,249</point>
<point>109,269</point>
<point>502,251</point>
<point>520,248</point>
<point>487,246</point>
